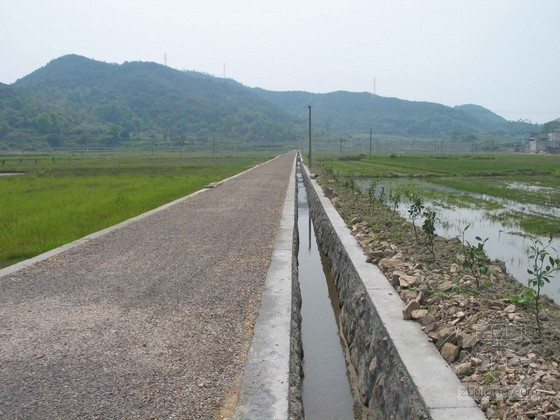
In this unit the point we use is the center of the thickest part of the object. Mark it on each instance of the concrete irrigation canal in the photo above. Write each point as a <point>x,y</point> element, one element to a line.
<point>209,307</point>
<point>326,389</point>
<point>394,371</point>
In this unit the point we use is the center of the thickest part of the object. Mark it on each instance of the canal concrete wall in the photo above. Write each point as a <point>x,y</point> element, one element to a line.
<point>271,383</point>
<point>400,373</point>
<point>295,406</point>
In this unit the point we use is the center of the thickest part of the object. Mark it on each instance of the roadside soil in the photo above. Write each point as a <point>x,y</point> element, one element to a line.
<point>491,343</point>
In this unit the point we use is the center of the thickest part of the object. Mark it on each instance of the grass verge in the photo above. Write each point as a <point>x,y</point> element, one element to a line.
<point>467,181</point>
<point>61,199</point>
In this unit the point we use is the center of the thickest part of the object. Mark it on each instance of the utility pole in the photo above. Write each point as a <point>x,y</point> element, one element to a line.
<point>309,106</point>
<point>370,140</point>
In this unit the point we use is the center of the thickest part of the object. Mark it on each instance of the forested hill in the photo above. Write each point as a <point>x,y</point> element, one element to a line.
<point>481,113</point>
<point>74,100</point>
<point>351,112</point>
<point>77,102</point>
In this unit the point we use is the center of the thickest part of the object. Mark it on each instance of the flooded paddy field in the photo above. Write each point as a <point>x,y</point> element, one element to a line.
<point>510,207</point>
<point>499,220</point>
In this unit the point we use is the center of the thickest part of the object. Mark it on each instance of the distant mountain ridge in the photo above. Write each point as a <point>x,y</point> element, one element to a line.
<point>481,113</point>
<point>346,111</point>
<point>75,101</point>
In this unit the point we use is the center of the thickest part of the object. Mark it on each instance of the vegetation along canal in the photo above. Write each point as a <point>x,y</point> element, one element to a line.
<point>506,239</point>
<point>326,387</point>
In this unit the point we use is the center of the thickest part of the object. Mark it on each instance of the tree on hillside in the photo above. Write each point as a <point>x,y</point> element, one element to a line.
<point>550,126</point>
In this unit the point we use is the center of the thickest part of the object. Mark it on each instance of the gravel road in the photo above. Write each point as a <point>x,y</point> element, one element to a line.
<point>152,320</point>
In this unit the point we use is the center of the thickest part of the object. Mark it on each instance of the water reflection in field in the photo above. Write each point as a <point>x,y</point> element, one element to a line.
<point>506,239</point>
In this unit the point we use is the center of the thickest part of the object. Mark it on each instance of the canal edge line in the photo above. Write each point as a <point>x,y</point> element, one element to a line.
<point>270,387</point>
<point>392,356</point>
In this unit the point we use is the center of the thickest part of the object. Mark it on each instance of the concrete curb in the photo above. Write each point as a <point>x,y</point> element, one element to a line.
<point>397,347</point>
<point>265,387</point>
<point>41,257</point>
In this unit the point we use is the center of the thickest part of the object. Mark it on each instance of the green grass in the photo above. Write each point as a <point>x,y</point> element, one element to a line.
<point>448,165</point>
<point>502,187</point>
<point>492,175</point>
<point>62,199</point>
<point>545,226</point>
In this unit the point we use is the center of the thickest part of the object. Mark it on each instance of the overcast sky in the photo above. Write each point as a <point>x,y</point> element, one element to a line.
<point>501,54</point>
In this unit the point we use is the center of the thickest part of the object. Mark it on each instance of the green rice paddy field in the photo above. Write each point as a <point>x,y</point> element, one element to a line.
<point>450,165</point>
<point>521,178</point>
<point>60,198</point>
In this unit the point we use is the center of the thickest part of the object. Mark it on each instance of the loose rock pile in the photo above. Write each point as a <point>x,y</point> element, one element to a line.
<point>491,344</point>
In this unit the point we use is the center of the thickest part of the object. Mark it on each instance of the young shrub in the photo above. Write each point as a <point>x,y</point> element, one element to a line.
<point>395,199</point>
<point>476,261</point>
<point>429,229</point>
<point>348,184</point>
<point>382,196</point>
<point>371,194</point>
<point>525,299</point>
<point>543,267</point>
<point>356,191</point>
<point>415,210</point>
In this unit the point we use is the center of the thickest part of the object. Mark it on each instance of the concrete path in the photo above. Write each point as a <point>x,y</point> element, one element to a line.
<point>150,320</point>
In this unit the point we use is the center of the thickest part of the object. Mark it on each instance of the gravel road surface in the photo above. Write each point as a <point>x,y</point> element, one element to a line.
<point>152,320</point>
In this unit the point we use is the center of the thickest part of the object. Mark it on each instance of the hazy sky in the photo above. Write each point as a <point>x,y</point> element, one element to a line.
<point>501,54</point>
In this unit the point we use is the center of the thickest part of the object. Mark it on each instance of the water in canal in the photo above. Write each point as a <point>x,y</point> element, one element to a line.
<point>326,390</point>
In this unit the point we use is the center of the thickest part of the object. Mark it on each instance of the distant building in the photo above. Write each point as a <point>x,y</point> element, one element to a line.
<point>554,141</point>
<point>538,143</point>
<point>544,142</point>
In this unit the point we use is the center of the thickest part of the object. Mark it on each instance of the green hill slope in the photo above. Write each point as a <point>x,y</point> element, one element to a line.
<point>481,113</point>
<point>358,112</point>
<point>74,100</point>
